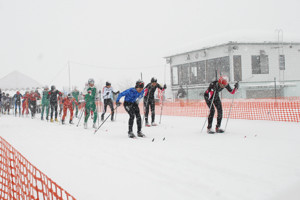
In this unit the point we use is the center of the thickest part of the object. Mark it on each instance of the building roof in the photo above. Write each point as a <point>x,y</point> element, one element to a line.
<point>238,38</point>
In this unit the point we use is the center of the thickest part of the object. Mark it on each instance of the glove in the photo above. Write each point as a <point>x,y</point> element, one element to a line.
<point>118,92</point>
<point>236,85</point>
<point>118,104</point>
<point>165,86</point>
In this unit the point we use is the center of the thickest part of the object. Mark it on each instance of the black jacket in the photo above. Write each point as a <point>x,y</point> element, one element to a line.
<point>17,98</point>
<point>151,90</point>
<point>181,93</point>
<point>53,94</point>
<point>215,88</point>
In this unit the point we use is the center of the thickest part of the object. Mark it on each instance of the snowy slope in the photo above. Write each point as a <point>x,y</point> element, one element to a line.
<point>253,160</point>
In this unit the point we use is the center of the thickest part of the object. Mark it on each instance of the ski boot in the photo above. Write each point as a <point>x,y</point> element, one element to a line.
<point>218,130</point>
<point>51,120</point>
<point>85,125</point>
<point>102,117</point>
<point>140,134</point>
<point>147,124</point>
<point>209,131</point>
<point>130,134</point>
<point>153,124</point>
<point>47,118</point>
<point>94,125</point>
<point>56,119</point>
<point>42,118</point>
<point>63,121</point>
<point>71,122</point>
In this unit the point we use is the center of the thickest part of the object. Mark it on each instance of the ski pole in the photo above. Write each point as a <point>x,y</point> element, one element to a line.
<point>116,114</point>
<point>162,105</point>
<point>209,109</point>
<point>97,112</point>
<point>104,121</point>
<point>229,112</point>
<point>145,108</point>
<point>80,116</point>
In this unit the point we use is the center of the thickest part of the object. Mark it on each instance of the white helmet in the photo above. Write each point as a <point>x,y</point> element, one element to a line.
<point>91,81</point>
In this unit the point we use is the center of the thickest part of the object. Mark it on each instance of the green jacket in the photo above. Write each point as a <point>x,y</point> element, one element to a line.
<point>75,94</point>
<point>90,97</point>
<point>45,99</point>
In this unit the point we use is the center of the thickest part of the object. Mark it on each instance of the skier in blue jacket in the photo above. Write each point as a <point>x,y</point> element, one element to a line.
<point>131,105</point>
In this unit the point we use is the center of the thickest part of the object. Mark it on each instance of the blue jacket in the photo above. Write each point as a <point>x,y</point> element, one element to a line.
<point>131,95</point>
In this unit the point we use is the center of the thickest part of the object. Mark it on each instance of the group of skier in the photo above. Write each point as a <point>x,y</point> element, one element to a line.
<point>53,98</point>
<point>28,101</point>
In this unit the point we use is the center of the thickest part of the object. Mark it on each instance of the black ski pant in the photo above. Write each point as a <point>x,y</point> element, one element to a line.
<point>7,107</point>
<point>108,102</point>
<point>149,103</point>
<point>134,111</point>
<point>17,104</point>
<point>218,105</point>
<point>32,107</point>
<point>53,108</point>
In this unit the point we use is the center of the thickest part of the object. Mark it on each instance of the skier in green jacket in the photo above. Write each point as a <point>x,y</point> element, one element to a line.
<point>75,94</point>
<point>45,103</point>
<point>90,105</point>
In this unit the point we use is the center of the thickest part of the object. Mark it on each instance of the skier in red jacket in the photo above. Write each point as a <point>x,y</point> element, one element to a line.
<point>33,96</point>
<point>213,100</point>
<point>68,104</point>
<point>25,103</point>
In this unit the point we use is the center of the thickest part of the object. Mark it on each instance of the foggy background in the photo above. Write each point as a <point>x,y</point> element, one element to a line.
<point>118,40</point>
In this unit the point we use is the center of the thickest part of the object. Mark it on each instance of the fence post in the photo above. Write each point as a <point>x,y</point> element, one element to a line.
<point>275,91</point>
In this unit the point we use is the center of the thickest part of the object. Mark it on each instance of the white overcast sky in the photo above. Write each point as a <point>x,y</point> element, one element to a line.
<point>121,38</point>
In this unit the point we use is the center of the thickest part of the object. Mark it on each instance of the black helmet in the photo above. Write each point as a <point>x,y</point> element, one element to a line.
<point>153,80</point>
<point>69,95</point>
<point>52,87</point>
<point>108,83</point>
<point>139,84</point>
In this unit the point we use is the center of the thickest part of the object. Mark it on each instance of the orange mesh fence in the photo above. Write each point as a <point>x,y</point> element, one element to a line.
<point>287,110</point>
<point>20,180</point>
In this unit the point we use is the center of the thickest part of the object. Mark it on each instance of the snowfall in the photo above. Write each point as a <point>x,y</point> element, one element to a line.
<point>252,160</point>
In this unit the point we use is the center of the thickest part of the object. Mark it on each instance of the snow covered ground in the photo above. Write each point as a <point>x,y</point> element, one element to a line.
<point>252,160</point>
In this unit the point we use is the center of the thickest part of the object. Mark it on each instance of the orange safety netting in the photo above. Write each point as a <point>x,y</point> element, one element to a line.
<point>287,110</point>
<point>20,180</point>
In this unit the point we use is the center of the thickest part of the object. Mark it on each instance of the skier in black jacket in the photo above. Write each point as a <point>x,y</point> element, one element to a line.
<point>150,101</point>
<point>52,96</point>
<point>0,101</point>
<point>212,93</point>
<point>17,99</point>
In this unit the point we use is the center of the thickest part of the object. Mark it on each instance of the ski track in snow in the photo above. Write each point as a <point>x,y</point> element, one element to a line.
<point>252,160</point>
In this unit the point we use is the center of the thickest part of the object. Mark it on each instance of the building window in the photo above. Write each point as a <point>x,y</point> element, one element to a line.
<point>216,67</point>
<point>201,71</point>
<point>260,64</point>
<point>175,75</point>
<point>184,74</point>
<point>281,62</point>
<point>237,67</point>
<point>197,72</point>
<point>194,73</point>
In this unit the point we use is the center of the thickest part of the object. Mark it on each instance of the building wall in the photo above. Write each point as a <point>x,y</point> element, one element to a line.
<point>292,62</point>
<point>246,51</point>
